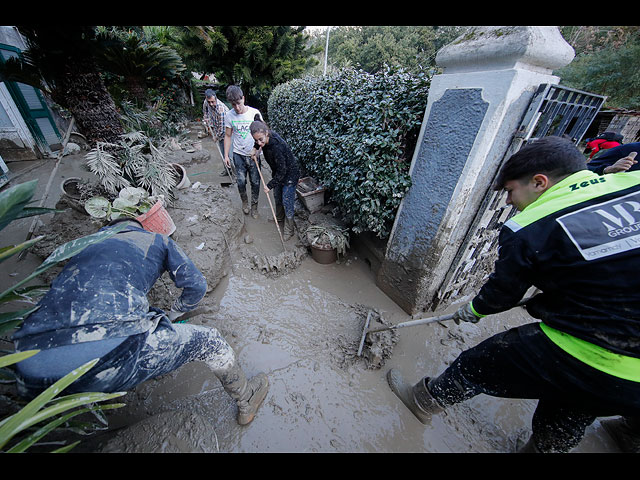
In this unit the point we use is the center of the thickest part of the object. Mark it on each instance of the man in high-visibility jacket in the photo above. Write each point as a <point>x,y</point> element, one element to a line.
<point>577,240</point>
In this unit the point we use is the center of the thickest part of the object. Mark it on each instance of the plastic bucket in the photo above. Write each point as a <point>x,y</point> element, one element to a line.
<point>311,194</point>
<point>157,220</point>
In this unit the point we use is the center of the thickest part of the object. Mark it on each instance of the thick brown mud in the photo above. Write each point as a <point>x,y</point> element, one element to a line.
<point>301,324</point>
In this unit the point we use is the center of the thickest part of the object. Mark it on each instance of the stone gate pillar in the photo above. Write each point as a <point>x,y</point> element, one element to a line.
<point>473,110</point>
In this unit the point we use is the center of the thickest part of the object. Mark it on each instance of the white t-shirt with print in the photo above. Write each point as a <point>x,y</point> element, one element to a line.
<point>242,140</point>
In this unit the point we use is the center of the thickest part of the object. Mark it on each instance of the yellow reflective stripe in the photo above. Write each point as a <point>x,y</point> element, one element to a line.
<point>576,188</point>
<point>600,358</point>
<point>474,311</point>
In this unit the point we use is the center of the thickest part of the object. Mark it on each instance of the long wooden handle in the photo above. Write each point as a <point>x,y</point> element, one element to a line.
<point>230,171</point>
<point>275,218</point>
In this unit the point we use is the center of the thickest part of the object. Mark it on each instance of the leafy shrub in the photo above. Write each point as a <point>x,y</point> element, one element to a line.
<point>355,133</point>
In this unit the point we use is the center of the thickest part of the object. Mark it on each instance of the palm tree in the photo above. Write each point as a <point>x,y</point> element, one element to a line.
<point>258,57</point>
<point>194,43</point>
<point>60,61</point>
<point>133,57</point>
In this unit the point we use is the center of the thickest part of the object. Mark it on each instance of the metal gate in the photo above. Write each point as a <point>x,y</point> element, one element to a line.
<point>554,110</point>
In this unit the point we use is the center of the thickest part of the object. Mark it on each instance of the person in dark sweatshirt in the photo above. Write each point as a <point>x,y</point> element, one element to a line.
<point>285,172</point>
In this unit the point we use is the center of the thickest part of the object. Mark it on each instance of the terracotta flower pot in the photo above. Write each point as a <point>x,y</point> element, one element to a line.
<point>181,173</point>
<point>323,254</point>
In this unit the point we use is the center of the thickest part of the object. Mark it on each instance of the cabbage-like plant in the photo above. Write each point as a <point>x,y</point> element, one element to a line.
<point>131,202</point>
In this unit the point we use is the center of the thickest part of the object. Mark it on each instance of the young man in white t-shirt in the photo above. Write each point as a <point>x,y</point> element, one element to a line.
<point>239,143</point>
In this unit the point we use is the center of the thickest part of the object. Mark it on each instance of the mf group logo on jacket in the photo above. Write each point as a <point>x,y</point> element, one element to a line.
<point>605,229</point>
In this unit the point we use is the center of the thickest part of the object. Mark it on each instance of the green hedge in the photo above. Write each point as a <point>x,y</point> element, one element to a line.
<point>355,132</point>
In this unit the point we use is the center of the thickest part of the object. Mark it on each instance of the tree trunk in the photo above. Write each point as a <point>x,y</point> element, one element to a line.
<point>138,89</point>
<point>84,94</point>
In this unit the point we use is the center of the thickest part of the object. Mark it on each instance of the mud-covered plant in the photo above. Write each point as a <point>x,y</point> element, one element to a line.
<point>154,121</point>
<point>329,236</point>
<point>14,204</point>
<point>130,202</point>
<point>135,161</point>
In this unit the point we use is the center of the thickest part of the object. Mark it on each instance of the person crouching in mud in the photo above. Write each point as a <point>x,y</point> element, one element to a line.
<point>285,171</point>
<point>97,307</point>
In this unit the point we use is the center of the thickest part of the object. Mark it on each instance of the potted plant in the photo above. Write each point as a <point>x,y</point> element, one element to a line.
<point>131,202</point>
<point>136,203</point>
<point>327,242</point>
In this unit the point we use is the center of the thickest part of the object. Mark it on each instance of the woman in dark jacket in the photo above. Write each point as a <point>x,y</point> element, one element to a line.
<point>284,172</point>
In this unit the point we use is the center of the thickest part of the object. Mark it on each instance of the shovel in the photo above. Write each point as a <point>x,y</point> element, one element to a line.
<point>411,323</point>
<point>230,171</point>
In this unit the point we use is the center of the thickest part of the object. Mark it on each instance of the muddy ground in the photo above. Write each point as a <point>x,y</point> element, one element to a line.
<point>301,327</point>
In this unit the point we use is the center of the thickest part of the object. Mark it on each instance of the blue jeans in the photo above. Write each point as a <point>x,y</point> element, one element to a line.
<point>245,166</point>
<point>142,357</point>
<point>285,195</point>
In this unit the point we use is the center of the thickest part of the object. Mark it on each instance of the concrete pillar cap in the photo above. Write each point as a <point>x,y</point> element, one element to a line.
<point>495,48</point>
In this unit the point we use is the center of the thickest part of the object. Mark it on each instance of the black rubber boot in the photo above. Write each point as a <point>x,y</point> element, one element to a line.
<point>280,213</point>
<point>416,398</point>
<point>248,394</point>
<point>254,209</point>
<point>245,202</point>
<point>289,228</point>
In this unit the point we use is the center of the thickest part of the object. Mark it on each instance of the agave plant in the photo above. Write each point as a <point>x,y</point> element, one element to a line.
<point>14,204</point>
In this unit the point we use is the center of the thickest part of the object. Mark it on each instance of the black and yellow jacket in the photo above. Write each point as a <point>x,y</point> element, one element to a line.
<point>579,243</point>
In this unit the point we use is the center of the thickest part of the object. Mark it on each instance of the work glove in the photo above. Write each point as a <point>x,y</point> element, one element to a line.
<point>465,314</point>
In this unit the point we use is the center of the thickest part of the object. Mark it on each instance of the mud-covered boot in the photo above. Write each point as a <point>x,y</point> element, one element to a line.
<point>289,228</point>
<point>245,202</point>
<point>248,394</point>
<point>280,213</point>
<point>626,433</point>
<point>416,398</point>
<point>254,209</point>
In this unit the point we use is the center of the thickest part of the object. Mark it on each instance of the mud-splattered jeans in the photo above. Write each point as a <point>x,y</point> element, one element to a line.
<point>146,356</point>
<point>524,363</point>
<point>245,166</point>
<point>285,195</point>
